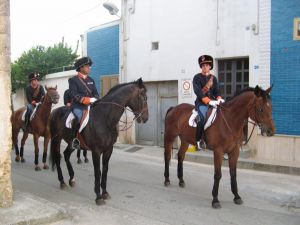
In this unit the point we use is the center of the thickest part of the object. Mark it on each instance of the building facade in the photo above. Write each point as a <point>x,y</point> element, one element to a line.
<point>249,40</point>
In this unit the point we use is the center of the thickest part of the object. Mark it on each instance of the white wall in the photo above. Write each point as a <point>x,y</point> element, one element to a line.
<point>61,80</point>
<point>185,30</point>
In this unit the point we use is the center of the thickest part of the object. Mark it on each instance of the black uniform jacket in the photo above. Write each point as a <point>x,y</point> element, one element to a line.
<point>78,90</point>
<point>199,82</point>
<point>30,92</point>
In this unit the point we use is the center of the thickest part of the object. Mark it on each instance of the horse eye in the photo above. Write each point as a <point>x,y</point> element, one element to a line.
<point>260,109</point>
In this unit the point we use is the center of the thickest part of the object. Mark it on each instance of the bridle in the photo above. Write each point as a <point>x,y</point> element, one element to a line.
<point>137,114</point>
<point>255,123</point>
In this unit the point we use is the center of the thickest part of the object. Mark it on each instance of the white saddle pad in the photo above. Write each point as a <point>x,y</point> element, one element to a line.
<point>211,119</point>
<point>71,116</point>
<point>32,114</point>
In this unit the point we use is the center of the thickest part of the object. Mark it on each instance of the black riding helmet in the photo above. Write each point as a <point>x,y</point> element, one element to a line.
<point>82,62</point>
<point>33,76</point>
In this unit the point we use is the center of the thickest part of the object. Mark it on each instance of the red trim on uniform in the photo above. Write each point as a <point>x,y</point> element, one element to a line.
<point>205,100</point>
<point>85,100</point>
<point>82,75</point>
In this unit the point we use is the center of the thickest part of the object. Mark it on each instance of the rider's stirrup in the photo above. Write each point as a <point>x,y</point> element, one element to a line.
<point>201,145</point>
<point>75,144</point>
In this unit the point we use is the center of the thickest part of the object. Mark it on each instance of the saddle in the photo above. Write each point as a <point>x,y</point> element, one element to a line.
<point>210,118</point>
<point>83,122</point>
<point>33,112</point>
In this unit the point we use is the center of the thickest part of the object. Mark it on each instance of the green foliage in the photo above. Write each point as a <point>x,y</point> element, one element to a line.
<point>42,60</point>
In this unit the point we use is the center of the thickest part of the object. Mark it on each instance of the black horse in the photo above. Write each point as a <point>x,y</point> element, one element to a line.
<point>101,132</point>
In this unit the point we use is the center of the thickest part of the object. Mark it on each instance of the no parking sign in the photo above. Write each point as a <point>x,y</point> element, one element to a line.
<point>186,88</point>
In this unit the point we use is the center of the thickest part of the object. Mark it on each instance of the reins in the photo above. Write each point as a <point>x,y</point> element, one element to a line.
<point>126,126</point>
<point>254,124</point>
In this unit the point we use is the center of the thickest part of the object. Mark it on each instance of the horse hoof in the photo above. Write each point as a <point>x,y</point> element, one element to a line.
<point>63,186</point>
<point>37,168</point>
<point>100,201</point>
<point>86,160</point>
<point>46,167</point>
<point>167,183</point>
<point>17,159</point>
<point>72,183</point>
<point>23,160</point>
<point>216,205</point>
<point>106,196</point>
<point>238,201</point>
<point>79,161</point>
<point>182,184</point>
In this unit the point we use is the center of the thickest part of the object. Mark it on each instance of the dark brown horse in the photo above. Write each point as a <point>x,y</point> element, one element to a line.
<point>101,132</point>
<point>225,135</point>
<point>37,127</point>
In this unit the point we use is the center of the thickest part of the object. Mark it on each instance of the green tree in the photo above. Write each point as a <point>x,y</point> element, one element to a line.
<point>42,60</point>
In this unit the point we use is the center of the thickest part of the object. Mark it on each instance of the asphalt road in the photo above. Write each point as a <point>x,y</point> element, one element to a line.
<point>135,183</point>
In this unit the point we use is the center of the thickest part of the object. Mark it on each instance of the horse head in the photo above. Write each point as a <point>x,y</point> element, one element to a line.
<point>51,95</point>
<point>262,111</point>
<point>138,103</point>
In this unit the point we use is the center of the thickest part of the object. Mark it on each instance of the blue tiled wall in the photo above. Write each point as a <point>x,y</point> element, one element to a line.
<point>285,67</point>
<point>103,48</point>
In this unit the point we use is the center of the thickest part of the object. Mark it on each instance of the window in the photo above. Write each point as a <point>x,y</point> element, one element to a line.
<point>297,29</point>
<point>233,76</point>
<point>155,46</point>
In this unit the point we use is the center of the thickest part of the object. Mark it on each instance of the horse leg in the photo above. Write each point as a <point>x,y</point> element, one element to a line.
<point>181,154</point>
<point>36,152</point>
<point>15,134</point>
<point>46,142</point>
<point>105,160</point>
<point>23,140</point>
<point>67,154</point>
<point>218,157</point>
<point>56,157</point>
<point>233,157</point>
<point>168,150</point>
<point>86,160</point>
<point>168,142</point>
<point>78,156</point>
<point>96,162</point>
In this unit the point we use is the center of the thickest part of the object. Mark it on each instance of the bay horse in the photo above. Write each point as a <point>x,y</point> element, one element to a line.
<point>37,127</point>
<point>100,133</point>
<point>225,135</point>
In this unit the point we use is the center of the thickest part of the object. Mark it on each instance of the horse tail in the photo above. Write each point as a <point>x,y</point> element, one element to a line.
<point>55,139</point>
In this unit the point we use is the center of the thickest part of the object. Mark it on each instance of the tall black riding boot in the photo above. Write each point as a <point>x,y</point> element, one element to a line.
<point>199,131</point>
<point>27,120</point>
<point>75,128</point>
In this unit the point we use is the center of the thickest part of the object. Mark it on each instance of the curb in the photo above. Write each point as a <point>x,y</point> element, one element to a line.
<point>207,158</point>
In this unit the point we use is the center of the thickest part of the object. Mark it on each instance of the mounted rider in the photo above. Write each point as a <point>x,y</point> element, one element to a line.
<point>83,93</point>
<point>34,94</point>
<point>206,89</point>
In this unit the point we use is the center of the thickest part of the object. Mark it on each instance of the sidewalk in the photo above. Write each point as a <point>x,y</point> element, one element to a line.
<point>29,209</point>
<point>206,157</point>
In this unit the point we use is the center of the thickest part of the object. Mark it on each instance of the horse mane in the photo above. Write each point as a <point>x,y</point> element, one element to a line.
<point>141,84</point>
<point>138,82</point>
<point>247,89</point>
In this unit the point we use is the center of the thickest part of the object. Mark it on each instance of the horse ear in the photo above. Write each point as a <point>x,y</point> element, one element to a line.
<point>269,89</point>
<point>258,91</point>
<point>140,82</point>
<point>55,87</point>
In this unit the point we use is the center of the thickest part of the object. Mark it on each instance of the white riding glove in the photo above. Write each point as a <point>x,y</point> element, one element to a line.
<point>92,100</point>
<point>213,103</point>
<point>221,100</point>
